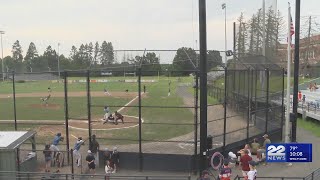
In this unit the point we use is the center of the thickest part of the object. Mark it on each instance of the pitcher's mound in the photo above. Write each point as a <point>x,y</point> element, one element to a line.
<point>45,106</point>
<point>97,124</point>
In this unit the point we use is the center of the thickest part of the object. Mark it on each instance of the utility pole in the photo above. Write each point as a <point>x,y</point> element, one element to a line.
<point>263,28</point>
<point>203,83</point>
<point>309,41</point>
<point>2,32</point>
<point>59,60</point>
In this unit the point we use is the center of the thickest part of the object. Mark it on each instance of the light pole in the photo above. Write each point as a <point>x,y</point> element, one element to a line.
<point>2,32</point>
<point>58,60</point>
<point>224,6</point>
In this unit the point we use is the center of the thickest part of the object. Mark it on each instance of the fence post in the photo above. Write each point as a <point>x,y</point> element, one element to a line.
<point>225,108</point>
<point>255,96</point>
<point>203,83</point>
<point>66,111</point>
<point>249,105</point>
<point>282,104</point>
<point>72,164</point>
<point>89,105</point>
<point>140,122</point>
<point>267,101</point>
<point>14,102</point>
<point>196,120</point>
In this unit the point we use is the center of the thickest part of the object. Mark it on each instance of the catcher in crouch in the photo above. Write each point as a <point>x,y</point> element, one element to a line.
<point>118,116</point>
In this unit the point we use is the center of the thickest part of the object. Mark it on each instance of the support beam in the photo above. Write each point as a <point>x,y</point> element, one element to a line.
<point>203,83</point>
<point>296,72</point>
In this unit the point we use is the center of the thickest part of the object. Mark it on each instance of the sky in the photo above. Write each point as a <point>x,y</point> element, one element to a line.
<point>128,24</point>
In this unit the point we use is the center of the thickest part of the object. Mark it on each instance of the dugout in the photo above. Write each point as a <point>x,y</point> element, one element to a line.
<point>12,158</point>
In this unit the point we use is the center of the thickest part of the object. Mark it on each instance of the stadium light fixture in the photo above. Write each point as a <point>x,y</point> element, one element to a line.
<point>2,32</point>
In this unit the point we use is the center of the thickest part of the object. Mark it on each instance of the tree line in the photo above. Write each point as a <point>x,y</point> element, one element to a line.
<point>94,56</point>
<point>249,36</point>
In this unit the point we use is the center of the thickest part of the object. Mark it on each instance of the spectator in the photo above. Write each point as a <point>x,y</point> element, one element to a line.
<point>94,148</point>
<point>204,175</point>
<point>91,164</point>
<point>299,96</point>
<point>225,172</point>
<point>47,156</point>
<point>244,162</point>
<point>76,151</point>
<point>252,174</point>
<point>109,168</point>
<point>262,150</point>
<point>115,159</point>
<point>246,147</point>
<point>106,156</point>
<point>254,146</point>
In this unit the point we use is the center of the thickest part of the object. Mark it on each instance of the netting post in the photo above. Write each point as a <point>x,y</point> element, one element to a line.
<point>255,95</point>
<point>196,93</point>
<point>249,104</point>
<point>296,73</point>
<point>72,164</point>
<point>225,108</point>
<point>14,102</point>
<point>203,83</point>
<point>140,122</point>
<point>267,101</point>
<point>239,74</point>
<point>89,105</point>
<point>66,112</point>
<point>282,104</point>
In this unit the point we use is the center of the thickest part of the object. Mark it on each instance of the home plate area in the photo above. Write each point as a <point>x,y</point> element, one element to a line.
<point>98,124</point>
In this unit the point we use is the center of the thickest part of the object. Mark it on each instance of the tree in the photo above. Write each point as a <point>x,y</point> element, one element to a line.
<point>96,53</point>
<point>17,56</point>
<point>73,54</point>
<point>185,59</point>
<point>241,36</point>
<point>51,57</point>
<point>150,63</point>
<point>214,59</point>
<point>106,53</point>
<point>32,53</point>
<point>89,50</point>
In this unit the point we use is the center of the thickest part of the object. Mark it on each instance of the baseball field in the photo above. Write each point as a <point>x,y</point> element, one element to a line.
<point>159,123</point>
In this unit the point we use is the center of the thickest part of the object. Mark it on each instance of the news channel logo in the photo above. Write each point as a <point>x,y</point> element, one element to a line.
<point>293,152</point>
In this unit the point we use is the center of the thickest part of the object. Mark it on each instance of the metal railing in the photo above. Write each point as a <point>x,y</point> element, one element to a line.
<point>315,175</point>
<point>58,176</point>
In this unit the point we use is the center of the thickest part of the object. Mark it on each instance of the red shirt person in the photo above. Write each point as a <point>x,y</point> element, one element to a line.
<point>244,161</point>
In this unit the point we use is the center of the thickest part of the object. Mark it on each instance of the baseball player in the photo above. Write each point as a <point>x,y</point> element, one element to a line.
<point>45,99</point>
<point>55,143</point>
<point>106,115</point>
<point>76,150</point>
<point>49,89</point>
<point>106,92</point>
<point>118,116</point>
<point>109,119</point>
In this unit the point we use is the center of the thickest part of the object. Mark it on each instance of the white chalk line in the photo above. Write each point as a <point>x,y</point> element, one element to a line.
<point>128,103</point>
<point>86,129</point>
<point>184,145</point>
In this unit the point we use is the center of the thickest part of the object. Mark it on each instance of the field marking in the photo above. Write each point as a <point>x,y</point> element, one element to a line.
<point>86,129</point>
<point>191,144</point>
<point>74,136</point>
<point>128,103</point>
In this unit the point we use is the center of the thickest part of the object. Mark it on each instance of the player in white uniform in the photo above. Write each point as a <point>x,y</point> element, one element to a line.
<point>107,111</point>
<point>106,92</point>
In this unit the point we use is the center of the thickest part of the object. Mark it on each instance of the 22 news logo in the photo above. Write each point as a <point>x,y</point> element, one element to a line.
<point>276,153</point>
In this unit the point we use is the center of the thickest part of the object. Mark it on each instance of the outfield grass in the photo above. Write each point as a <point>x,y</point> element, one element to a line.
<point>157,96</point>
<point>310,125</point>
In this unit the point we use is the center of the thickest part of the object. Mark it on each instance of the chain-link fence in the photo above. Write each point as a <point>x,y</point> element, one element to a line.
<point>150,115</point>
